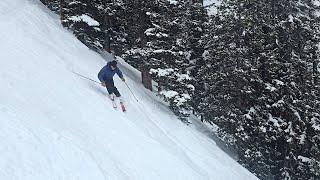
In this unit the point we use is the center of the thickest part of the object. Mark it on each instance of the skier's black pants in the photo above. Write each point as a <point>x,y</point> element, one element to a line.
<point>111,88</point>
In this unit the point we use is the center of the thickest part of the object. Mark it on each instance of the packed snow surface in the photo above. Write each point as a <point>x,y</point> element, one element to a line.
<point>56,125</point>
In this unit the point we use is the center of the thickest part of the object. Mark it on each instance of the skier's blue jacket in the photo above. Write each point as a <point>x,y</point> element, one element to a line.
<point>106,73</point>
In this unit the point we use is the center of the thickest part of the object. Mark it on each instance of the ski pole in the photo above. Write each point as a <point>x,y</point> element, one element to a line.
<point>131,91</point>
<point>86,77</point>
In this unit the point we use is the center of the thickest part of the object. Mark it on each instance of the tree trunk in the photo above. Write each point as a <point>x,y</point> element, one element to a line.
<point>61,11</point>
<point>315,72</point>
<point>146,79</point>
<point>143,27</point>
<point>107,42</point>
<point>159,87</point>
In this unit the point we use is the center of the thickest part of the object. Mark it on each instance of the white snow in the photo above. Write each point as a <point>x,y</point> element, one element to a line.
<point>163,51</point>
<point>190,86</point>
<point>150,31</point>
<point>252,110</point>
<point>270,87</point>
<point>162,72</point>
<point>212,6</point>
<point>302,138</point>
<point>263,129</point>
<point>182,77</point>
<point>290,17</point>
<point>278,82</point>
<point>316,127</point>
<point>317,3</point>
<point>85,18</point>
<point>173,1</point>
<point>278,103</point>
<point>169,94</point>
<point>274,120</point>
<point>315,124</point>
<point>304,159</point>
<point>55,125</point>
<point>181,100</point>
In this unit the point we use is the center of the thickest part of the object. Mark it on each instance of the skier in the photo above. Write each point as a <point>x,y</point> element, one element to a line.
<point>106,78</point>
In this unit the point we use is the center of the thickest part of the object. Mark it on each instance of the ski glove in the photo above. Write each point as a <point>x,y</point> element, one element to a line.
<point>123,79</point>
<point>103,84</point>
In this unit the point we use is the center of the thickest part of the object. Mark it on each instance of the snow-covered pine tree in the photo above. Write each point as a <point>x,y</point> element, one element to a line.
<point>295,100</point>
<point>111,15</point>
<point>98,23</point>
<point>84,18</point>
<point>167,58</point>
<point>136,22</point>
<point>261,89</point>
<point>155,46</point>
<point>193,19</point>
<point>52,4</point>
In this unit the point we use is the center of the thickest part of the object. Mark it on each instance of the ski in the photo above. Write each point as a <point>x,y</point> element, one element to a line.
<point>114,104</point>
<point>123,108</point>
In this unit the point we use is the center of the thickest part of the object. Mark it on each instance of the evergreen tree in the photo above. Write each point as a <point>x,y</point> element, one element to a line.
<point>52,4</point>
<point>193,20</point>
<point>166,58</point>
<point>162,53</point>
<point>262,56</point>
<point>82,16</point>
<point>111,15</point>
<point>136,23</point>
<point>97,23</point>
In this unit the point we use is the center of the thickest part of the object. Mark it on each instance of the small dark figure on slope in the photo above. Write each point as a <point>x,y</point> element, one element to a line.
<point>106,78</point>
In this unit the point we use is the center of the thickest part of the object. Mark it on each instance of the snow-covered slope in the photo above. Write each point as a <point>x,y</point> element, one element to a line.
<point>55,125</point>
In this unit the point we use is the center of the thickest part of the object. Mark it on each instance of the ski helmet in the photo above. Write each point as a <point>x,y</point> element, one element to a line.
<point>113,64</point>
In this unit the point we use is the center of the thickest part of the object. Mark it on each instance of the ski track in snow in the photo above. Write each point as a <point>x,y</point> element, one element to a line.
<point>56,125</point>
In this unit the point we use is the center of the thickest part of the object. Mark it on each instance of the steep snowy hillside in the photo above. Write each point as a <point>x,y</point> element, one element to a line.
<point>55,125</point>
